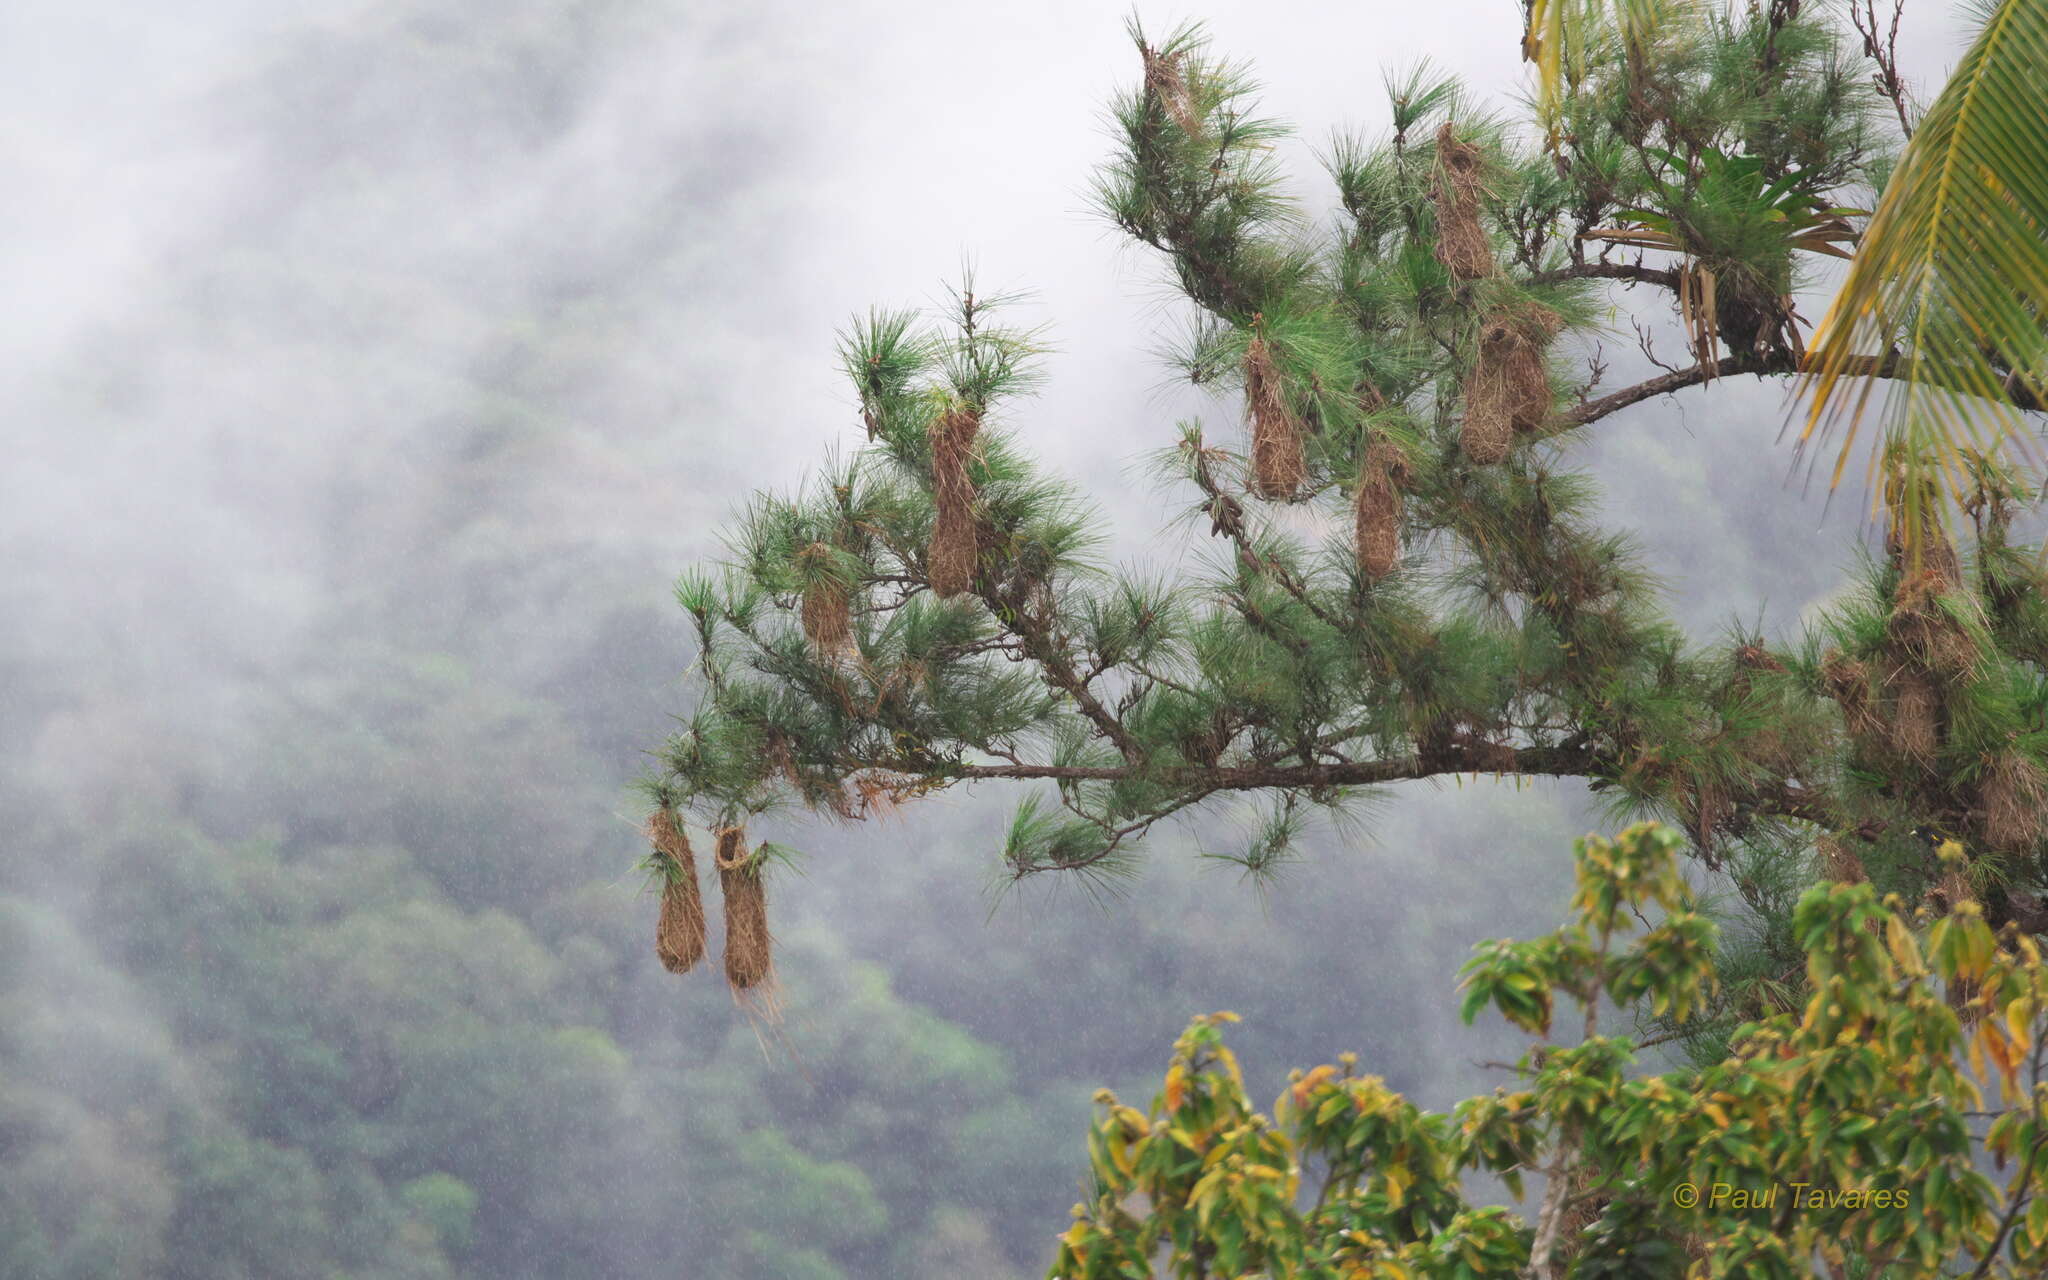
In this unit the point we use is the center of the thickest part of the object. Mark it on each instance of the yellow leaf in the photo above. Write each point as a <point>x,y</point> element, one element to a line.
<point>1899,940</point>
<point>1229,1060</point>
<point>1120,1155</point>
<point>1303,1086</point>
<point>1134,1123</point>
<point>1398,1181</point>
<point>2019,1021</point>
<point>2002,1050</point>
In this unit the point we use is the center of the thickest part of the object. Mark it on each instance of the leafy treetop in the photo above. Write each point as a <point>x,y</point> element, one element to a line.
<point>1842,1136</point>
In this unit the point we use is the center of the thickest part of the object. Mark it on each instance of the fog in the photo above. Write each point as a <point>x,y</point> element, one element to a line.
<point>370,373</point>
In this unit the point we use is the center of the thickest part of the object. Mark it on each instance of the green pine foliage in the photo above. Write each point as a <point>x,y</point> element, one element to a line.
<point>1418,369</point>
<point>1516,635</point>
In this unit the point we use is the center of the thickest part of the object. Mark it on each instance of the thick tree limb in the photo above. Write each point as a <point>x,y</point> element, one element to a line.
<point>1560,762</point>
<point>1629,272</point>
<point>1885,366</point>
<point>1663,385</point>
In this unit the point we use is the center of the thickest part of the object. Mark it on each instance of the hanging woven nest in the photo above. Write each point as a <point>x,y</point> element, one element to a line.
<point>1766,744</point>
<point>1922,625</point>
<point>1703,805</point>
<point>1532,327</point>
<point>1166,80</point>
<point>1915,728</point>
<point>1279,468</point>
<point>1937,558</point>
<point>1848,683</point>
<point>749,950</point>
<point>827,617</point>
<point>1585,1206</point>
<point>1377,508</point>
<point>1508,389</point>
<point>1837,862</point>
<point>679,933</point>
<point>1950,890</point>
<point>1461,243</point>
<point>1754,657</point>
<point>2013,794</point>
<point>950,564</point>
<point>1491,400</point>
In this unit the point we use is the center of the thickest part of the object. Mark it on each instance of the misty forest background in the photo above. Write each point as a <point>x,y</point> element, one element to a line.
<point>369,372</point>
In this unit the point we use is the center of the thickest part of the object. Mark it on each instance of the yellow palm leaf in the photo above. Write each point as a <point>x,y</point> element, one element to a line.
<point>1949,289</point>
<point>1553,24</point>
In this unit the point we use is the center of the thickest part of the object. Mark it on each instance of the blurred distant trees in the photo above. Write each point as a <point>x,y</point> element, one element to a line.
<point>311,1062</point>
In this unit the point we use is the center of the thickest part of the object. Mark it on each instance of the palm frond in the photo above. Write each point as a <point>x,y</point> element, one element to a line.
<point>1950,287</point>
<point>1555,23</point>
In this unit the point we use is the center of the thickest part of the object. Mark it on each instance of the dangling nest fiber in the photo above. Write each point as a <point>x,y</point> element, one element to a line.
<point>2013,793</point>
<point>679,933</point>
<point>749,950</point>
<point>1703,806</point>
<point>1376,508</point>
<point>1279,469</point>
<point>828,622</point>
<point>1461,243</point>
<point>950,564</point>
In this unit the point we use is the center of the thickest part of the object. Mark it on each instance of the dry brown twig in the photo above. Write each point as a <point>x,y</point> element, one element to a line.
<point>1883,50</point>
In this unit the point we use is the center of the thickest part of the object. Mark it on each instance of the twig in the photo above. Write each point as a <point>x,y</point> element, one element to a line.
<point>1884,51</point>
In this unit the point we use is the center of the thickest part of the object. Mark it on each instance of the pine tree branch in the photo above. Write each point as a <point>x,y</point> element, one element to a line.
<point>1891,365</point>
<point>1456,757</point>
<point>1463,756</point>
<point>1227,519</point>
<point>1630,272</point>
<point>1037,641</point>
<point>1663,385</point>
<point>1205,274</point>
